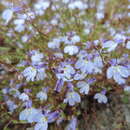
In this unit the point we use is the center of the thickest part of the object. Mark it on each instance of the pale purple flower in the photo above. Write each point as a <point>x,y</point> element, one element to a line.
<point>23,97</point>
<point>65,72</point>
<point>75,39</point>
<point>28,114</point>
<point>55,43</point>
<point>80,76</point>
<point>33,73</point>
<point>118,73</point>
<point>101,98</point>
<point>59,85</point>
<point>83,86</point>
<point>36,56</point>
<point>72,98</point>
<point>20,25</point>
<point>119,37</point>
<point>85,66</point>
<point>109,45</point>
<point>43,119</point>
<point>42,95</point>
<point>11,105</point>
<point>98,64</point>
<point>71,49</point>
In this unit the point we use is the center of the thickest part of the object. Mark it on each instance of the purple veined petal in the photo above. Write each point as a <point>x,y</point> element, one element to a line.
<point>71,102</point>
<point>77,97</point>
<point>91,80</point>
<point>119,41</point>
<point>89,57</point>
<point>17,9</point>
<point>113,62</point>
<point>103,91</point>
<point>28,104</point>
<point>88,67</point>
<point>59,85</point>
<point>27,90</point>
<point>18,86</point>
<point>117,77</point>
<point>70,86</point>
<point>79,64</point>
<point>32,52</point>
<point>110,72</point>
<point>52,116</point>
<point>124,72</point>
<point>43,65</point>
<point>88,44</point>
<point>104,40</point>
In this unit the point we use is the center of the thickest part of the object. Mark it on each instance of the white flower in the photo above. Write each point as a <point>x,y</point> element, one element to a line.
<point>24,97</point>
<point>7,15</point>
<point>101,98</point>
<point>128,45</point>
<point>71,49</point>
<point>110,45</point>
<point>42,96</point>
<point>84,87</point>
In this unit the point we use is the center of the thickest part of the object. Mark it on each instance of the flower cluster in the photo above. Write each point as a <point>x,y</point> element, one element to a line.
<point>62,60</point>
